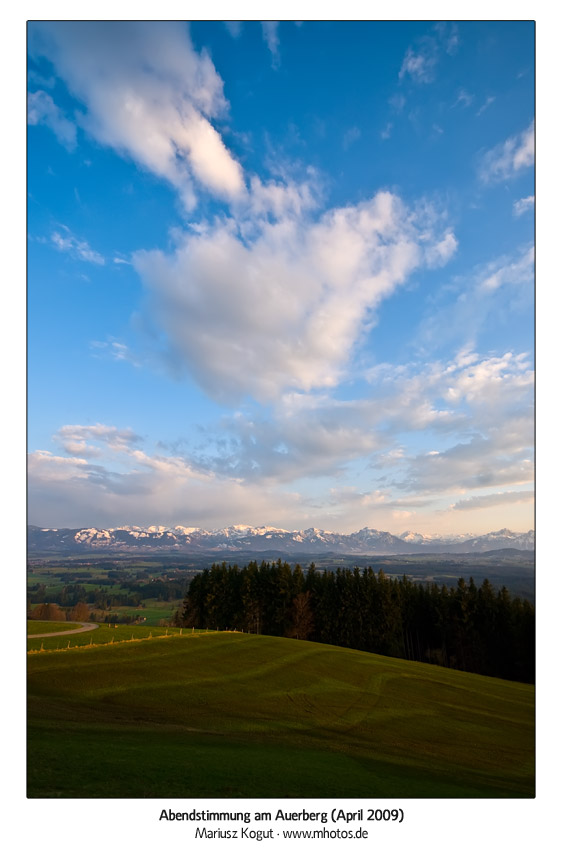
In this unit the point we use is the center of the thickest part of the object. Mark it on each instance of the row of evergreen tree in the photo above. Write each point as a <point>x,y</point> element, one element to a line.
<point>477,629</point>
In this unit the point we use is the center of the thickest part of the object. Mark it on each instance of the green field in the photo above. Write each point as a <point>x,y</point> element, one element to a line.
<point>103,634</point>
<point>236,715</point>
<point>39,627</point>
<point>152,612</point>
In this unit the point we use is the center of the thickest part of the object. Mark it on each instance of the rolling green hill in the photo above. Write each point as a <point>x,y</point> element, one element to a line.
<point>37,627</point>
<point>237,715</point>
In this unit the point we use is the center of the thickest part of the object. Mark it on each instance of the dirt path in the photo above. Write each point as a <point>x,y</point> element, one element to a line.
<point>84,627</point>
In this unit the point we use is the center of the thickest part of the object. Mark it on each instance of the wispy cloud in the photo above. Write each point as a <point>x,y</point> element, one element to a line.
<point>464,308</point>
<point>463,99</point>
<point>448,36</point>
<point>479,463</point>
<point>270,32</point>
<point>386,133</point>
<point>234,28</point>
<point>41,109</point>
<point>116,351</point>
<point>523,205</point>
<point>508,497</point>
<point>77,248</point>
<point>509,158</point>
<point>81,440</point>
<point>350,136</point>
<point>420,65</point>
<point>397,102</point>
<point>487,103</point>
<point>515,272</point>
<point>420,62</point>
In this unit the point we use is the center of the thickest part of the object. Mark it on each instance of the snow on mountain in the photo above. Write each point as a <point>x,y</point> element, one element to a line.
<point>237,538</point>
<point>237,531</point>
<point>416,537</point>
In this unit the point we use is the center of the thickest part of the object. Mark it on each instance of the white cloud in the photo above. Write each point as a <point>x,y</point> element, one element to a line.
<point>419,66</point>
<point>77,248</point>
<point>523,205</point>
<point>46,466</point>
<point>482,406</point>
<point>131,488</point>
<point>490,398</point>
<point>420,63</point>
<point>149,95</point>
<point>471,392</point>
<point>497,389</point>
<point>480,463</point>
<point>315,435</point>
<point>278,199</point>
<point>41,109</point>
<point>508,497</point>
<point>516,272</point>
<point>77,439</point>
<point>271,37</point>
<point>307,443</point>
<point>507,159</point>
<point>439,253</point>
<point>286,308</point>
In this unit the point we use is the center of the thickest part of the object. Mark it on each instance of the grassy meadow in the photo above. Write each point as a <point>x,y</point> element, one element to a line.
<point>39,627</point>
<point>238,715</point>
<point>103,634</point>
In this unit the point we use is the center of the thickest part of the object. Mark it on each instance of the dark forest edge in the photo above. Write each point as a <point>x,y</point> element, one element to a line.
<point>478,629</point>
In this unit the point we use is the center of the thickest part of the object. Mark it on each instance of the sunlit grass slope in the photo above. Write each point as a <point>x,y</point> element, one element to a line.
<point>235,715</point>
<point>39,627</point>
<point>103,634</point>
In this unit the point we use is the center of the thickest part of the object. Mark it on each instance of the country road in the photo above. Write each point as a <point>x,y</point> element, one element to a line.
<point>85,627</point>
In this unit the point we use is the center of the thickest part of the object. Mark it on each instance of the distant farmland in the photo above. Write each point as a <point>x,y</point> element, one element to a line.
<point>237,715</point>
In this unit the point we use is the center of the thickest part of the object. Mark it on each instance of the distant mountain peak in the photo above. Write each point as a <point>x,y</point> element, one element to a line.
<point>246,538</point>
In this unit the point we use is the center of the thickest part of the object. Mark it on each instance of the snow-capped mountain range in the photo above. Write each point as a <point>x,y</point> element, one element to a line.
<point>245,538</point>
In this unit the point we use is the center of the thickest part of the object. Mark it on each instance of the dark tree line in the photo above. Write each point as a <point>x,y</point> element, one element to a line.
<point>477,629</point>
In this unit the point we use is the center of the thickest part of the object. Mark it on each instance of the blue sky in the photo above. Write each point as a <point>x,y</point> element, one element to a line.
<point>281,275</point>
